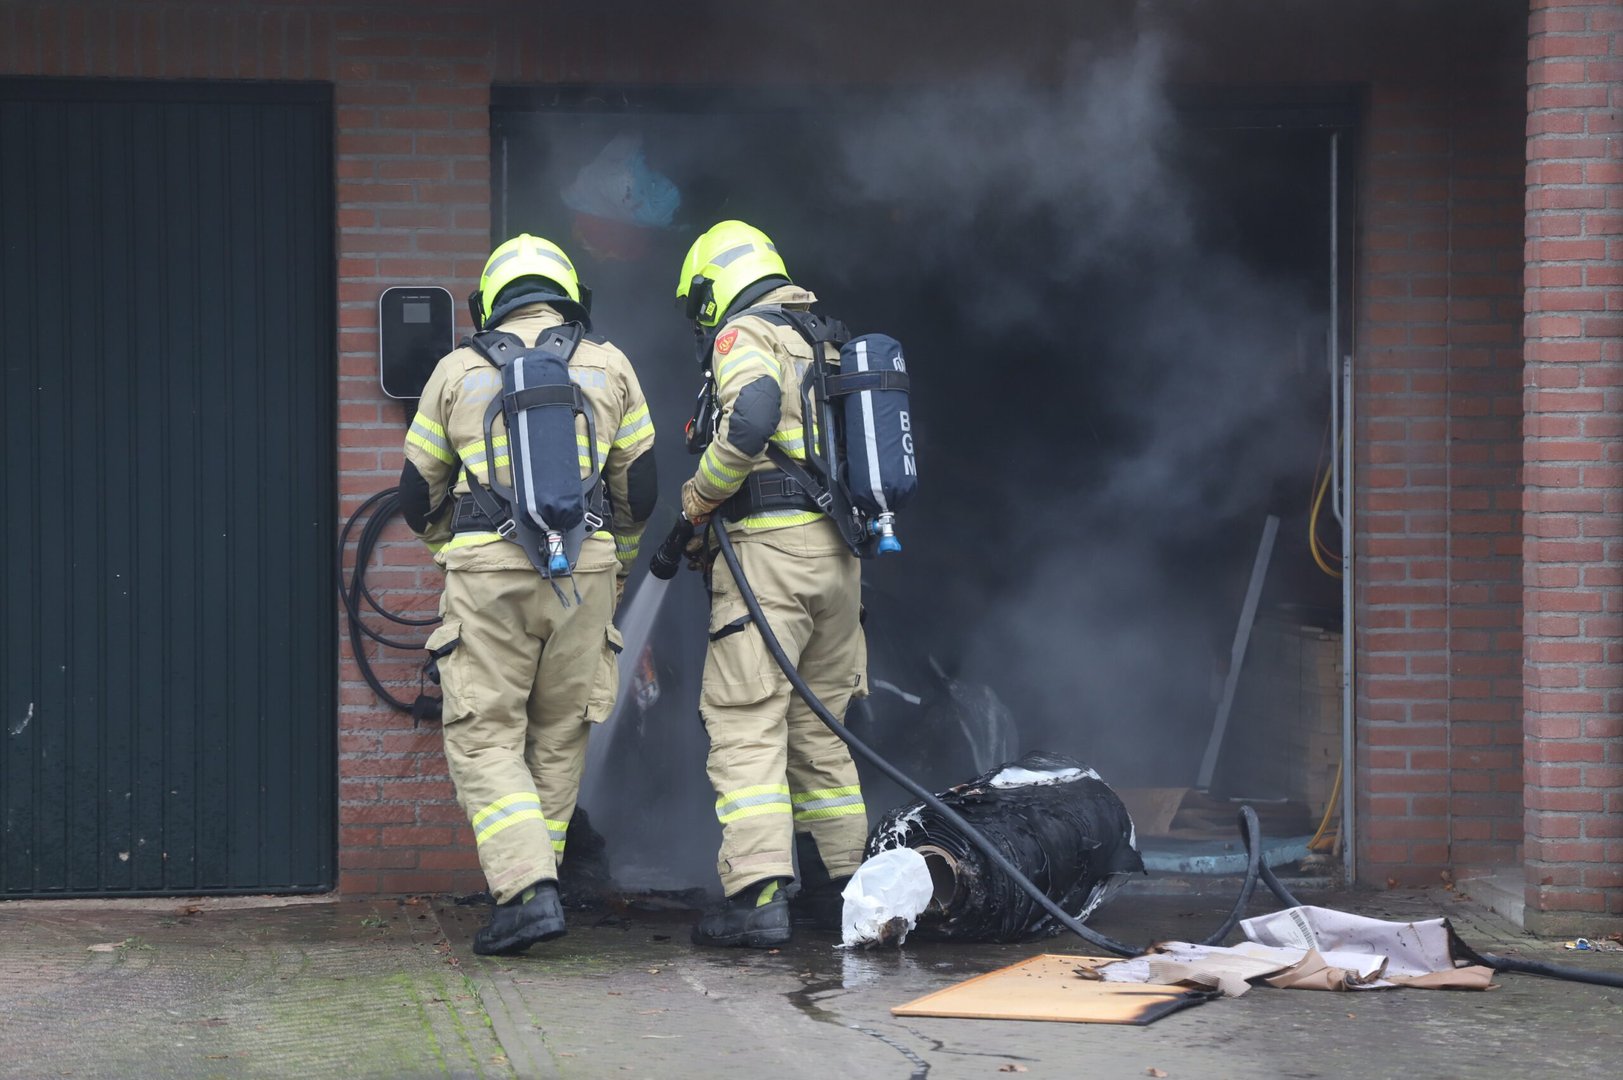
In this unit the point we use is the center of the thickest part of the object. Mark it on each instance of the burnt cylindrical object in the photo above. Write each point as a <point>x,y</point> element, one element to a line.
<point>1050,815</point>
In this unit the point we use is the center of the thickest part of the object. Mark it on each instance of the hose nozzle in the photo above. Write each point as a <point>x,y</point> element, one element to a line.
<point>668,559</point>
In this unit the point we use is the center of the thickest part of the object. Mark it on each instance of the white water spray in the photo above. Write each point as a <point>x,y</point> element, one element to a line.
<point>636,627</point>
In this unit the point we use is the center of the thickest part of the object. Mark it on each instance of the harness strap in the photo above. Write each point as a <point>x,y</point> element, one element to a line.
<point>790,487</point>
<point>856,381</point>
<point>768,491</point>
<point>495,346</point>
<point>539,396</point>
<point>802,476</point>
<point>816,329</point>
<point>470,514</point>
<point>494,510</point>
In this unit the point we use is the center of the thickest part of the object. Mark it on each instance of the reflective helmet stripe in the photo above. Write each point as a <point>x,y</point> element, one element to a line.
<point>730,256</point>
<point>521,257</point>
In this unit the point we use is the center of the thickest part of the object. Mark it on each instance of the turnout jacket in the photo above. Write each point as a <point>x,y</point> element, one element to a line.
<point>446,442</point>
<point>758,367</point>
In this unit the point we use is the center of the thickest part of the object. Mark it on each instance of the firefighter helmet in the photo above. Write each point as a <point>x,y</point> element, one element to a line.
<point>721,264</point>
<point>530,260</point>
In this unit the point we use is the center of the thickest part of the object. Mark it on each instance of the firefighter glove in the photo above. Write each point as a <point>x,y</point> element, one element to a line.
<point>697,508</point>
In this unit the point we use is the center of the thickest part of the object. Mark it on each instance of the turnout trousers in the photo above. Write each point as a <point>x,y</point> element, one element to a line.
<point>523,683</point>
<point>776,769</point>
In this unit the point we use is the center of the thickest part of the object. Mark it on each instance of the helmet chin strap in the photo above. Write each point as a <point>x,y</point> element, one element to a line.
<point>512,299</point>
<point>750,294</point>
<point>704,337</point>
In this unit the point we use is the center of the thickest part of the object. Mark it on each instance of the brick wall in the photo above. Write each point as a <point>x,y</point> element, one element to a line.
<point>1439,533</point>
<point>1438,546</point>
<point>1573,509</point>
<point>412,98</point>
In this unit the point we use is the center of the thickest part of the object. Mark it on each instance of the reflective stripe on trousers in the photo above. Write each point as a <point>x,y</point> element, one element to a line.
<point>505,811</point>
<point>753,801</point>
<point>828,803</point>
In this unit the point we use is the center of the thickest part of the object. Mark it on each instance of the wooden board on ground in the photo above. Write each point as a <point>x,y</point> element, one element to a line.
<point>1187,814</point>
<point>1153,808</point>
<point>1047,987</point>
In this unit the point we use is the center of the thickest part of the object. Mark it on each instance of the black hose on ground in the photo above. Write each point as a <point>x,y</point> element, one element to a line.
<point>1465,952</point>
<point>1250,830</point>
<point>1275,886</point>
<point>1539,967</point>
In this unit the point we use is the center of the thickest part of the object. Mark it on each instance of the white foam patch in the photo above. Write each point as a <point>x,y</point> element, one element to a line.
<point>896,834</point>
<point>1014,776</point>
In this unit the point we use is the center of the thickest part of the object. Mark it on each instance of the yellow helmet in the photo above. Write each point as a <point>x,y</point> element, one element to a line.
<point>527,257</point>
<point>721,264</point>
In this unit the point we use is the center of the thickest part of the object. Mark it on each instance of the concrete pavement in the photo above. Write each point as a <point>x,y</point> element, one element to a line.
<point>389,989</point>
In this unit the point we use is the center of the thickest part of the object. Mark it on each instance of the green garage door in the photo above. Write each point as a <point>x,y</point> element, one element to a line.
<point>167,655</point>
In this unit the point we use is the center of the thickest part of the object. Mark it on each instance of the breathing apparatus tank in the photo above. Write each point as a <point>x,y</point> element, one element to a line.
<point>552,510</point>
<point>881,470</point>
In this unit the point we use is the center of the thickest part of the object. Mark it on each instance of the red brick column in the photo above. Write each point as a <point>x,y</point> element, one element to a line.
<point>1438,528</point>
<point>1401,501</point>
<point>1573,521</point>
<point>413,160</point>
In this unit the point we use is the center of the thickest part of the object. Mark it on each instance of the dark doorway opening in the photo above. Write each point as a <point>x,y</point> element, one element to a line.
<point>1106,411</point>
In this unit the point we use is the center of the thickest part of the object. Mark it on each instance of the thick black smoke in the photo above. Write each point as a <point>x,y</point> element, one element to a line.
<point>1129,387</point>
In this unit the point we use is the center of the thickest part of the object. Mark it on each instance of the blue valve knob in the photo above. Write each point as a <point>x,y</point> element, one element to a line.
<point>884,527</point>
<point>557,563</point>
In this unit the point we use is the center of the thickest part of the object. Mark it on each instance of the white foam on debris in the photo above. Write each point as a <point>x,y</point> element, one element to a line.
<point>1014,776</point>
<point>896,834</point>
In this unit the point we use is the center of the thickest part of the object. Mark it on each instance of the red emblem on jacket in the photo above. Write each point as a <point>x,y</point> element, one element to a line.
<point>724,344</point>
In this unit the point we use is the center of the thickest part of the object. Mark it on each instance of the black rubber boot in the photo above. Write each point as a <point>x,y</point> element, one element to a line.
<point>756,917</point>
<point>534,916</point>
<point>818,903</point>
<point>820,906</point>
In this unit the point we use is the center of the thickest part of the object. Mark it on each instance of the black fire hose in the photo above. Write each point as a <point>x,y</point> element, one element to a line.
<point>1250,830</point>
<point>665,564</point>
<point>353,590</point>
<point>1538,967</point>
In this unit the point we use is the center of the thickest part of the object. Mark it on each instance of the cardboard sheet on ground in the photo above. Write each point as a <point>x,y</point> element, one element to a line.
<point>1046,987</point>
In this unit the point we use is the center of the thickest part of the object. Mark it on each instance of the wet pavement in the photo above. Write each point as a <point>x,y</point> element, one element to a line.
<point>390,989</point>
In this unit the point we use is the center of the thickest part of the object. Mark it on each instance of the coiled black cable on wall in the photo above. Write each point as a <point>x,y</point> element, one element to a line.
<point>376,512</point>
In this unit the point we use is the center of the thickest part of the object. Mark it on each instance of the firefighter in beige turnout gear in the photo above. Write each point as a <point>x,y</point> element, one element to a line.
<point>779,774</point>
<point>526,670</point>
